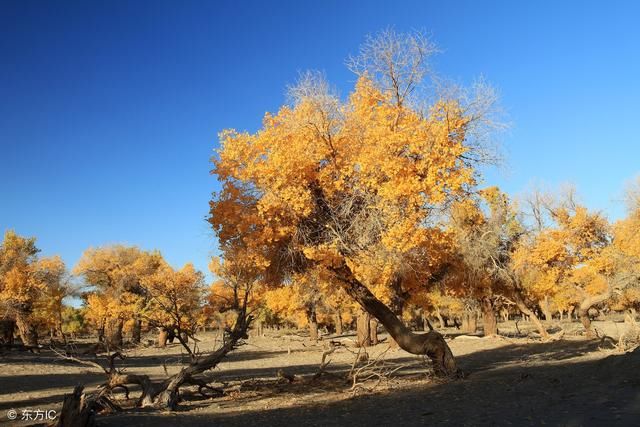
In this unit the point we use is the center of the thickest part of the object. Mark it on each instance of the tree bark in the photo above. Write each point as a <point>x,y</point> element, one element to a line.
<point>363,331</point>
<point>337,319</point>
<point>432,343</point>
<point>489,321</point>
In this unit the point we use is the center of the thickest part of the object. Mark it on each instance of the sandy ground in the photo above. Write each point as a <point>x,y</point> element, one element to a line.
<point>508,381</point>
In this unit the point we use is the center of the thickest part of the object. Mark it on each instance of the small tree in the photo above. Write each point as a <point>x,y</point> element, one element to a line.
<point>174,302</point>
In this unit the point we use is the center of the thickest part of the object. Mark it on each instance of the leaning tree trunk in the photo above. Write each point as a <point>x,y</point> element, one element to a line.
<point>489,321</point>
<point>585,305</point>
<point>164,395</point>
<point>27,330</point>
<point>432,343</point>
<point>168,397</point>
<point>526,311</point>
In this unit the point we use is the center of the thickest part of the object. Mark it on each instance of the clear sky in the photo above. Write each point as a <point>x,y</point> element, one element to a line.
<point>109,110</point>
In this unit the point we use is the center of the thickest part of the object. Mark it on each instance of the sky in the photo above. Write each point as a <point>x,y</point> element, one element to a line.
<point>110,110</point>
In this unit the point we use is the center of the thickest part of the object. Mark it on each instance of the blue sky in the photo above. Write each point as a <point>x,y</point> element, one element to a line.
<point>109,111</point>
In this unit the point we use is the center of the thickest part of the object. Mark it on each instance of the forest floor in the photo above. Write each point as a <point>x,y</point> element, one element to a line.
<point>508,381</point>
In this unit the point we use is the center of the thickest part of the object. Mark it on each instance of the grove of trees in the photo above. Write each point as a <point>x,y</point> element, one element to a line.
<point>344,213</point>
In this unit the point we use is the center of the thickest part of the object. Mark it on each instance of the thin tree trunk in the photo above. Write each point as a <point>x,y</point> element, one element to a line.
<point>432,343</point>
<point>489,321</point>
<point>259,331</point>
<point>337,319</point>
<point>313,323</point>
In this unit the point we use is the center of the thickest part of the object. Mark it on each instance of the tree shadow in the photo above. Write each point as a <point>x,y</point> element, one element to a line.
<point>557,390</point>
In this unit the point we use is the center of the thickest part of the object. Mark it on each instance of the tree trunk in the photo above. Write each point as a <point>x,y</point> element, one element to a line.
<point>101,329</point>
<point>373,330</point>
<point>363,329</point>
<point>440,319</point>
<point>168,397</point>
<point>526,311</point>
<point>27,330</point>
<point>76,412</point>
<point>469,322</point>
<point>432,343</point>
<point>114,333</point>
<point>259,331</point>
<point>546,309</point>
<point>137,331</point>
<point>586,304</point>
<point>489,321</point>
<point>425,322</point>
<point>163,335</point>
<point>313,323</point>
<point>337,319</point>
